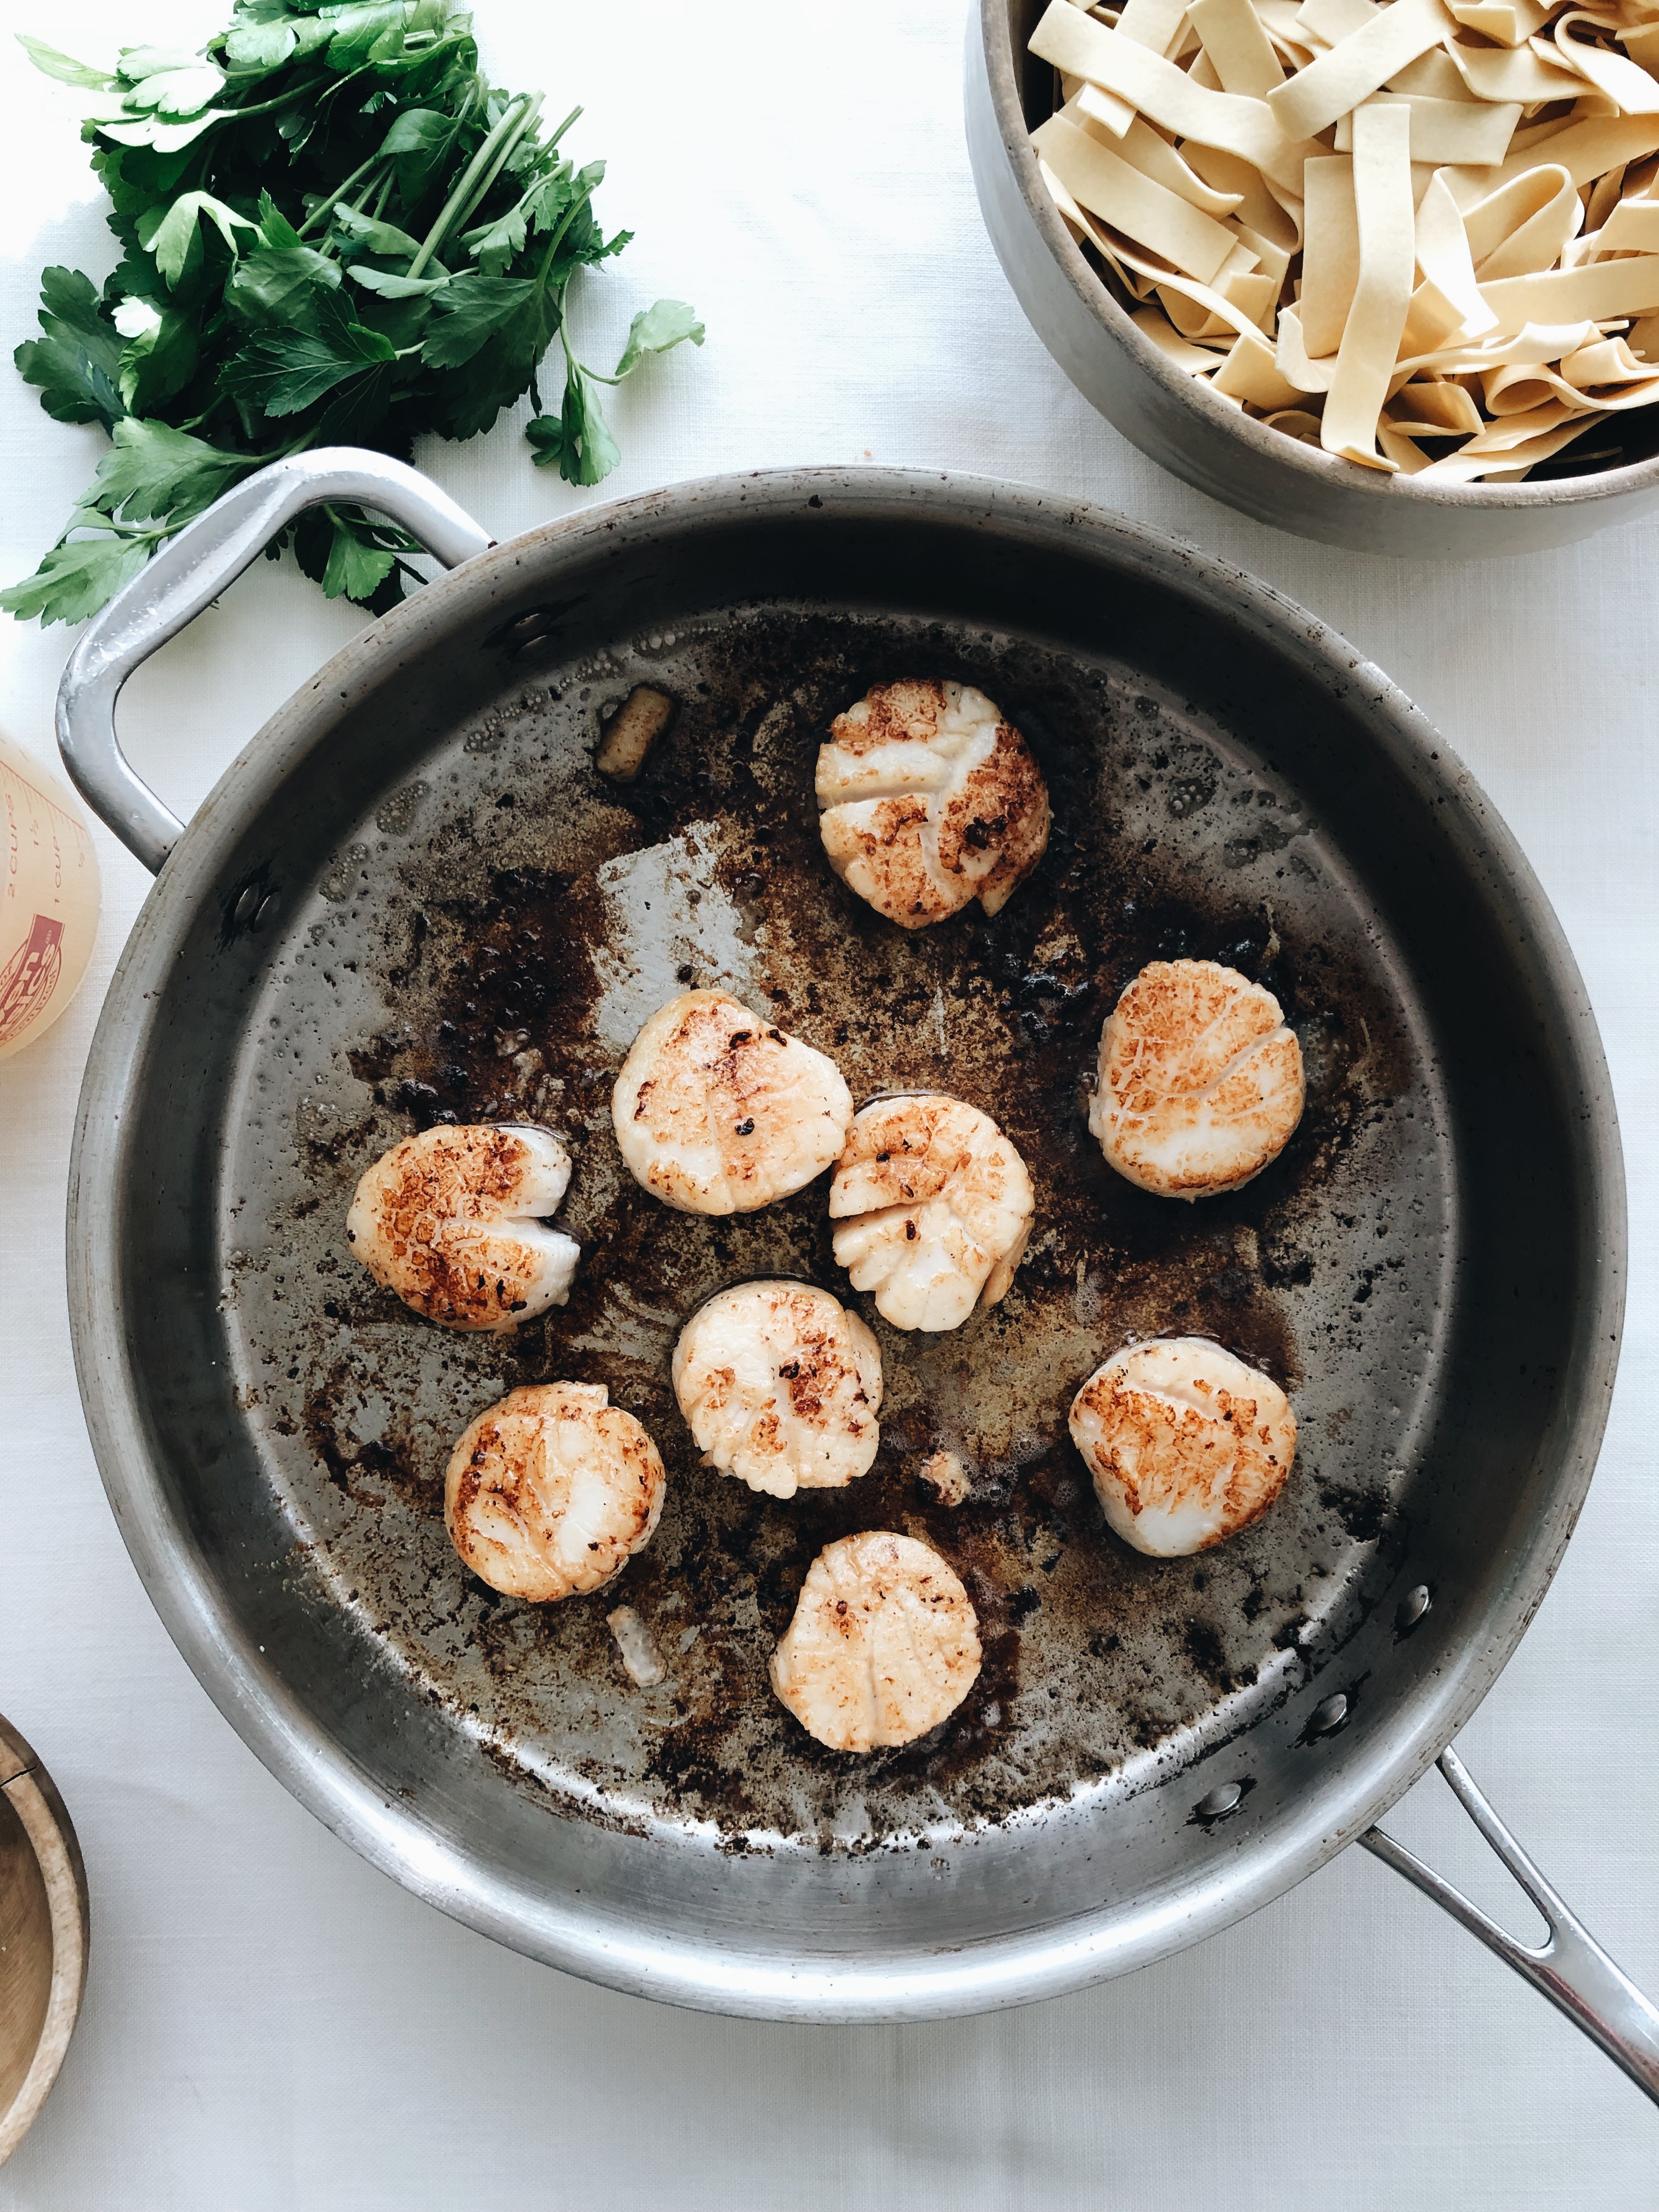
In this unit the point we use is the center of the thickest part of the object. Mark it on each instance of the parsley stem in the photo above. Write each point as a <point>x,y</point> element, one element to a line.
<point>461,198</point>
<point>270,106</point>
<point>299,92</point>
<point>553,243</point>
<point>326,207</point>
<point>482,190</point>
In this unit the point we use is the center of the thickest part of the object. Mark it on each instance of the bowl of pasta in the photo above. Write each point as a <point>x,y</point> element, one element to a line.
<point>1385,275</point>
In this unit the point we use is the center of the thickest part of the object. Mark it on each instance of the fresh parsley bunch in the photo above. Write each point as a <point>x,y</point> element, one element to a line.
<point>334,230</point>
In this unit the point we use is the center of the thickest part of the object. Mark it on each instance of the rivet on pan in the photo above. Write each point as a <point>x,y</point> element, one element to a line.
<point>1413,1607</point>
<point>267,908</point>
<point>245,905</point>
<point>1221,1800</point>
<point>1329,1715</point>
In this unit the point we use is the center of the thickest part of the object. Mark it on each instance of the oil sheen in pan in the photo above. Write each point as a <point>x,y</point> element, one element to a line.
<point>490,942</point>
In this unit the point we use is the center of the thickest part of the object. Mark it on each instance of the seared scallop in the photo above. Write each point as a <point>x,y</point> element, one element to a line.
<point>884,1646</point>
<point>1201,1085</point>
<point>551,1491</point>
<point>935,1206</point>
<point>930,800</point>
<point>1187,1444</point>
<point>717,1111</point>
<point>781,1387</point>
<point>450,1220</point>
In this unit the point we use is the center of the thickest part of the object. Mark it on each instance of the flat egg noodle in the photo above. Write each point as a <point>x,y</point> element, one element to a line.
<point>1249,374</point>
<point>1330,259</point>
<point>1433,410</point>
<point>1507,22</point>
<point>1595,294</point>
<point>1370,338</point>
<point>1155,157</point>
<point>1131,201</point>
<point>1468,133</point>
<point>1632,227</point>
<point>1169,341</point>
<point>1525,226</point>
<point>1588,149</point>
<point>1445,258</point>
<point>1636,92</point>
<point>1522,74</point>
<point>1241,53</point>
<point>1607,377</point>
<point>1167,95</point>
<point>1362,63</point>
<point>1154,24</point>
<point>1465,465</point>
<point>1141,276</point>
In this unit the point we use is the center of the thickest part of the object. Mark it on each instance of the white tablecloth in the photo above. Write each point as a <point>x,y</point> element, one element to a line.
<point>270,2024</point>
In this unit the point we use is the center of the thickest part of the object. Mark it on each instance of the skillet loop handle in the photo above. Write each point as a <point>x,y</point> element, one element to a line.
<point>1570,1969</point>
<point>186,575</point>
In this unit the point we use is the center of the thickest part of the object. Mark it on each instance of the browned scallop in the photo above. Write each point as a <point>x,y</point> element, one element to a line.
<point>717,1111</point>
<point>1200,1083</point>
<point>450,1221</point>
<point>932,1207</point>
<point>1186,1445</point>
<point>929,800</point>
<point>550,1492</point>
<point>884,1646</point>
<point>780,1386</point>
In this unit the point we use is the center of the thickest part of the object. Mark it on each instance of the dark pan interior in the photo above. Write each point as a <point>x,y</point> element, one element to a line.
<point>470,922</point>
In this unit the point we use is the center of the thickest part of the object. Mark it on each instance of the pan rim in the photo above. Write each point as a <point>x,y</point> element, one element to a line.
<point>1001,1971</point>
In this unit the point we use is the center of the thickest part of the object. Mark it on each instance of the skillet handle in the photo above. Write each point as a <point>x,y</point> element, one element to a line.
<point>1571,1969</point>
<point>186,575</point>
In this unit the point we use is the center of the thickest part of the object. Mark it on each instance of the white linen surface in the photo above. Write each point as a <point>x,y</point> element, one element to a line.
<point>271,2024</point>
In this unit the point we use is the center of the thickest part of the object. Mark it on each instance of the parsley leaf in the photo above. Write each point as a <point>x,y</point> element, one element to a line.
<point>158,361</point>
<point>169,233</point>
<point>77,361</point>
<point>473,310</point>
<point>62,66</point>
<point>153,470</point>
<point>366,235</point>
<point>74,581</point>
<point>273,283</point>
<point>493,245</point>
<point>659,328</point>
<point>578,440</point>
<point>287,371</point>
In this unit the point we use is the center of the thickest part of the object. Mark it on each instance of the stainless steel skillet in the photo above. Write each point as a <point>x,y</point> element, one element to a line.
<point>412,897</point>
